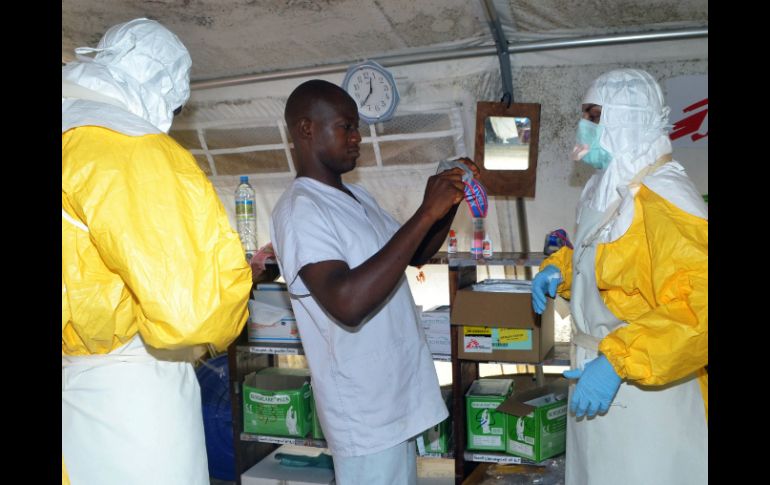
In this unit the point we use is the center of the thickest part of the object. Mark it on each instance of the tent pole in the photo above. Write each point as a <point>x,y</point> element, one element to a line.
<point>503,55</point>
<point>457,53</point>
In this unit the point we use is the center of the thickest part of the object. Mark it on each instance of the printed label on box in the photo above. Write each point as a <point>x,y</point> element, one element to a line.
<point>487,441</point>
<point>511,335</point>
<point>521,448</point>
<point>512,339</point>
<point>477,339</point>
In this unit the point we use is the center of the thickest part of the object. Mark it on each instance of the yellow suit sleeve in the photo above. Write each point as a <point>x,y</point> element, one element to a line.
<point>157,222</point>
<point>562,259</point>
<point>670,340</point>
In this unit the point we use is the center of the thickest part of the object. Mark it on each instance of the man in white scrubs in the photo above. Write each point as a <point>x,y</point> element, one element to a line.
<point>343,258</point>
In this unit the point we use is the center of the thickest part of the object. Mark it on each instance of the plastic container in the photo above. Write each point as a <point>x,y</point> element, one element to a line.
<point>246,216</point>
<point>477,244</point>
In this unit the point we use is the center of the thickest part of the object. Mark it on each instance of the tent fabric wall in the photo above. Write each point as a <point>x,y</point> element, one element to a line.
<point>555,79</point>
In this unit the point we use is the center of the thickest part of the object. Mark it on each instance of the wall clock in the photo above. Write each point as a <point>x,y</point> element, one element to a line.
<point>373,89</point>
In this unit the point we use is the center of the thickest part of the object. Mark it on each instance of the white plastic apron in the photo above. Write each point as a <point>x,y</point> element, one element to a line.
<point>131,419</point>
<point>650,435</point>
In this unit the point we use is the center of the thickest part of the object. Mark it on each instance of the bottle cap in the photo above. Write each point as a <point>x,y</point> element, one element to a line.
<point>451,233</point>
<point>244,179</point>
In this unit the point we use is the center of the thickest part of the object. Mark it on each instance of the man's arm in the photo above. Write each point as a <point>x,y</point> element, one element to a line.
<point>350,295</point>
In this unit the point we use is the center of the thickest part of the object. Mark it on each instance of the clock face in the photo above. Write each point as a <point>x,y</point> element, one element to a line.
<point>373,91</point>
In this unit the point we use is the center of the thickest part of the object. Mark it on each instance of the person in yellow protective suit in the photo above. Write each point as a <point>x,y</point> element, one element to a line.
<point>637,281</point>
<point>150,266</point>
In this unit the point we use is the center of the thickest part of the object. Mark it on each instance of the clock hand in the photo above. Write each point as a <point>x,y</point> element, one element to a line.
<point>370,93</point>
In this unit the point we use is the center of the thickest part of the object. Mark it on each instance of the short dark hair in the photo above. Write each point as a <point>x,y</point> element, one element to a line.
<point>305,96</point>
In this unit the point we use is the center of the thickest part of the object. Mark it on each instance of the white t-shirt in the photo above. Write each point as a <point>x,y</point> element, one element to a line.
<point>375,385</point>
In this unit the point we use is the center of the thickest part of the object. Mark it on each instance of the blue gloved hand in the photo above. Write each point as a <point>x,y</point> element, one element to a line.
<point>546,280</point>
<point>596,387</point>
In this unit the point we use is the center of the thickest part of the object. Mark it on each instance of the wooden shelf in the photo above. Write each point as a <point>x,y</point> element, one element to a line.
<point>283,440</point>
<point>504,458</point>
<point>271,348</point>
<point>463,259</point>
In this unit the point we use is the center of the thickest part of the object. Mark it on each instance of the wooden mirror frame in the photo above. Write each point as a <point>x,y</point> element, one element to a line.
<point>516,183</point>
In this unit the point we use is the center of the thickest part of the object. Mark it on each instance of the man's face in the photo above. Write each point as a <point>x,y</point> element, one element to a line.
<point>592,112</point>
<point>335,134</point>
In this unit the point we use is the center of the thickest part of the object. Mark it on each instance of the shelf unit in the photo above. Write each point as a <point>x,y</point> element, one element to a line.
<point>463,273</point>
<point>245,357</point>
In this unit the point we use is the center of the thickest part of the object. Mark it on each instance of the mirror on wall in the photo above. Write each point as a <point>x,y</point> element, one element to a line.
<point>506,147</point>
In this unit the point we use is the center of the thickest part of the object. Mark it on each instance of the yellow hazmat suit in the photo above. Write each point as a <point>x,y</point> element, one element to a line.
<point>637,281</point>
<point>159,257</point>
<point>655,278</point>
<point>150,267</point>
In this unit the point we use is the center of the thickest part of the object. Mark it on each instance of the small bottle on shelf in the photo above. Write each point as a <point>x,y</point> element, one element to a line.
<point>452,244</point>
<point>487,246</point>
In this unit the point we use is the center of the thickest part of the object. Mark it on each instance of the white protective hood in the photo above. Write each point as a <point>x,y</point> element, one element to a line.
<point>139,66</point>
<point>634,121</point>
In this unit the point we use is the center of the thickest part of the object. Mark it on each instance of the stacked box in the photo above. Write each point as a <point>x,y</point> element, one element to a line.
<point>485,426</point>
<point>271,318</point>
<point>277,403</point>
<point>317,432</point>
<point>435,324</point>
<point>537,421</point>
<point>437,438</point>
<point>502,327</point>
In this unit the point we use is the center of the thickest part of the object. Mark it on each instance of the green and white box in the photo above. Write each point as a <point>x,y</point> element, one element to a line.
<point>318,433</point>
<point>277,404</point>
<point>436,439</point>
<point>537,421</point>
<point>485,426</point>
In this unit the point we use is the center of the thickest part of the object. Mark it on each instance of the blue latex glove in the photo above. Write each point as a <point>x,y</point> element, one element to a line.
<point>596,387</point>
<point>546,280</point>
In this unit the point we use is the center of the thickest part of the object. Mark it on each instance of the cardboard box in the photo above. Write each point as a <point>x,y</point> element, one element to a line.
<point>270,471</point>
<point>537,421</point>
<point>437,438</point>
<point>277,403</point>
<point>317,432</point>
<point>502,327</point>
<point>271,318</point>
<point>485,426</point>
<point>435,324</point>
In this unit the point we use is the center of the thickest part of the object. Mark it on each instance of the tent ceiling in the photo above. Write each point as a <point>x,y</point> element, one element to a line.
<point>238,37</point>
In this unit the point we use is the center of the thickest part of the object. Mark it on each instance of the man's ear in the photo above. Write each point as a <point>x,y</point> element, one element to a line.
<point>305,127</point>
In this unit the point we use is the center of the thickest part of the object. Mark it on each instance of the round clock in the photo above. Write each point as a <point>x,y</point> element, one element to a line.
<point>373,89</point>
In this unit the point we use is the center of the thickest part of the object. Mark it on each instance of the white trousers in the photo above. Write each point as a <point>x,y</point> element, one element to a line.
<point>394,466</point>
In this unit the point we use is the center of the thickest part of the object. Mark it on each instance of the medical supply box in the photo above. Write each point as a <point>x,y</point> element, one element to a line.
<point>271,318</point>
<point>277,402</point>
<point>485,426</point>
<point>435,324</point>
<point>536,421</point>
<point>436,440</point>
<point>501,326</point>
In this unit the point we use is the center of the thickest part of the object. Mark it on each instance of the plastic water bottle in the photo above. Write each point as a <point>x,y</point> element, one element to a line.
<point>246,216</point>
